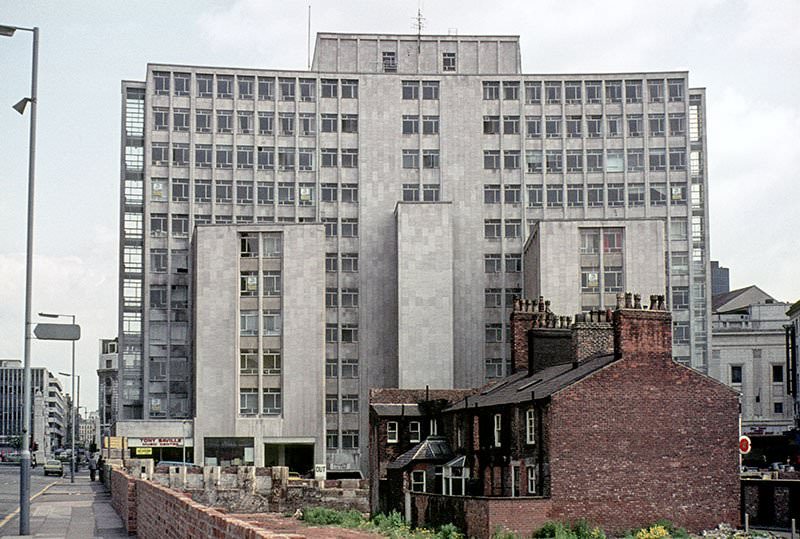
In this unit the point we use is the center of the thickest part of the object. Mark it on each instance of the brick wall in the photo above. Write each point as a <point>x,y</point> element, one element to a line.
<point>592,334</point>
<point>480,517</point>
<point>646,435</point>
<point>123,498</point>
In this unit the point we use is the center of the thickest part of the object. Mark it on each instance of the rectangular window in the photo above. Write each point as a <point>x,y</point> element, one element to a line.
<point>349,157</point>
<point>530,427</point>
<point>248,401</point>
<point>677,158</point>
<point>513,263</point>
<point>594,91</point>
<point>616,195</point>
<point>392,432</point>
<point>224,156</point>
<point>248,323</point>
<point>158,224</point>
<point>160,153</point>
<point>494,333</point>
<point>286,158</point>
<point>594,195</point>
<point>491,125</point>
<point>777,408</point>
<point>572,92</point>
<point>389,61</point>
<point>350,192</point>
<point>533,92</point>
<point>612,276</point>
<point>491,229</point>
<point>430,192</point>
<point>349,297</point>
<point>224,121</point>
<point>349,333</point>
<point>329,87</point>
<point>205,85</point>
<point>224,86</point>
<point>330,157</point>
<point>554,161</point>
<point>202,120</point>
<point>656,125</point>
<point>635,160</point>
<point>491,194</point>
<point>430,89</point>
<point>574,196</point>
<point>308,89</point>
<point>657,159</point>
<point>676,89</point>
<point>633,91</point>
<point>511,159</point>
<point>491,90</point>
<point>182,84</point>
<point>555,196</point>
<point>430,125</point>
<point>180,190</point>
<point>498,426</point>
<point>411,159</point>
<point>491,159</point>
<point>590,279</point>
<point>418,481</point>
<point>635,125</point>
<point>535,196</point>
<point>349,439</point>
<point>286,194</point>
<point>574,160</point>
<point>594,160</point>
<point>493,367</point>
<point>533,126</point>
<point>349,123</point>
<point>491,263</point>
<point>350,262</point>
<point>777,374</point>
<point>349,89</point>
<point>680,297</point>
<point>590,241</point>
<point>271,401</point>
<point>349,368</point>
<point>286,123</point>
<point>533,160</point>
<point>513,228</point>
<point>511,125</point>
<point>161,82</point>
<point>272,283</point>
<point>510,90</point>
<point>658,194</point>
<point>410,89</point>
<point>677,124</point>
<point>272,323</point>
<point>736,374</point>
<point>266,89</point>
<point>655,91</point>
<point>244,157</point>
<point>594,126</point>
<point>180,154</point>
<point>448,61</point>
<point>430,159</point>
<point>553,126</point>
<point>493,298</point>
<point>530,472</point>
<point>552,92</point>
<point>287,89</point>
<point>574,129</point>
<point>180,120</point>
<point>614,126</point>
<point>266,122</point>
<point>349,404</point>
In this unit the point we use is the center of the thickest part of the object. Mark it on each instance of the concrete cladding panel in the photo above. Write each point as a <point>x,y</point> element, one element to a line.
<point>425,294</point>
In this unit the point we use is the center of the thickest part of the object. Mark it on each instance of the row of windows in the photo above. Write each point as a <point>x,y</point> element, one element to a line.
<point>411,125</point>
<point>497,298</point>
<point>349,367</point>
<point>592,195</point>
<point>576,92</point>
<point>429,89</point>
<point>270,361</point>
<point>245,192</point>
<point>349,404</point>
<point>269,245</point>
<point>270,323</point>
<point>737,371</point>
<point>412,192</point>
<point>250,87</point>
<point>346,333</point>
<point>389,61</point>
<point>492,263</point>
<point>249,157</point>
<point>270,283</point>
<point>349,439</point>
<point>592,126</point>
<point>612,279</point>
<point>346,297</point>
<point>347,264</point>
<point>347,228</point>
<point>593,160</point>
<point>248,122</point>
<point>270,399</point>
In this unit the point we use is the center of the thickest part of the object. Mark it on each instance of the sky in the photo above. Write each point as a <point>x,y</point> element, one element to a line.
<point>744,52</point>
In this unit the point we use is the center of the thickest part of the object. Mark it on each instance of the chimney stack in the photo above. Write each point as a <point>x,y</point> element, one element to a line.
<point>642,334</point>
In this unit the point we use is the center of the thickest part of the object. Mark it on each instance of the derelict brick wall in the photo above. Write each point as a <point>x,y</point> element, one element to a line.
<point>551,347</point>
<point>480,517</point>
<point>592,338</point>
<point>645,438</point>
<point>123,498</point>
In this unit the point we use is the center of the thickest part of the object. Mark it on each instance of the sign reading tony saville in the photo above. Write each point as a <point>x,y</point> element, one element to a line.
<point>159,441</point>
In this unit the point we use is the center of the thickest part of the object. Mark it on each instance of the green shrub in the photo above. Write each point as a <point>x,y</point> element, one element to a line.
<point>449,531</point>
<point>558,530</point>
<point>503,533</point>
<point>322,516</point>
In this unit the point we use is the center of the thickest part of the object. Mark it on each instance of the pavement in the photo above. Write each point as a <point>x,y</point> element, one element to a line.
<point>64,510</point>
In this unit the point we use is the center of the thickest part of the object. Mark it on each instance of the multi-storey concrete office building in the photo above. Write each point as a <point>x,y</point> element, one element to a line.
<point>477,153</point>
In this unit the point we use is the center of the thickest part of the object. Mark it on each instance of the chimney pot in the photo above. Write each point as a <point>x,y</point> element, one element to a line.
<point>620,300</point>
<point>637,301</point>
<point>628,300</point>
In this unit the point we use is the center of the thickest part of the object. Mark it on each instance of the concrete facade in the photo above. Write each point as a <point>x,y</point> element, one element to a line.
<point>792,338</point>
<point>376,121</point>
<point>561,265</point>
<point>108,385</point>
<point>425,295</point>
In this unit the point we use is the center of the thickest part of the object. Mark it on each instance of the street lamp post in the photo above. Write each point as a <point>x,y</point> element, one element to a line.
<point>75,405</point>
<point>25,462</point>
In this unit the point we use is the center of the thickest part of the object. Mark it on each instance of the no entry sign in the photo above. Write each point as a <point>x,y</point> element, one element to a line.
<point>744,445</point>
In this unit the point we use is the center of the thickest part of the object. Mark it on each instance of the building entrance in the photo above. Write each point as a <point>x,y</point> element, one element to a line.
<point>298,457</point>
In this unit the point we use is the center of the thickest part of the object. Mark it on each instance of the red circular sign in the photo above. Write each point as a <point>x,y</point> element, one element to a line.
<point>744,445</point>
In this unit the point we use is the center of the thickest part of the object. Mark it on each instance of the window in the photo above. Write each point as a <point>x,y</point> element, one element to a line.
<point>180,226</point>
<point>554,161</point>
<point>271,401</point>
<point>510,90</point>
<point>676,90</point>
<point>513,263</point>
<point>430,125</point>
<point>680,297</point>
<point>414,431</point>
<point>248,283</point>
<point>493,298</point>
<point>612,240</point>
<point>590,279</point>
<point>272,283</point>
<point>286,158</point>
<point>655,90</point>
<point>287,89</point>
<point>552,92</point>
<point>332,439</point>
<point>331,404</point>
<point>265,123</point>
<point>331,297</point>
<point>533,92</point>
<point>615,195</point>
<point>430,159</point>
<point>777,407</point>
<point>448,61</point>
<point>430,192</point>
<point>331,333</point>
<point>350,192</point>
<point>614,125</point>
<point>555,196</point>
<point>491,263</point>
<point>657,159</point>
<point>180,154</point>
<point>574,126</point>
<point>418,481</point>
<point>491,194</point>
<point>553,126</point>
<point>680,263</point>
<point>350,262</point>
<point>349,157</point>
<point>574,196</point>
<point>593,91</point>
<point>658,194</point>
<point>494,333</point>
<point>594,126</point>
<point>349,89</point>
<point>410,192</point>
<point>679,230</point>
<point>349,228</point>
<point>349,333</point>
<point>498,426</point>
<point>491,159</point>
<point>491,125</point>
<point>205,85</point>
<point>656,124</point>
<point>635,125</point>
<point>161,82</point>
<point>331,367</point>
<point>266,157</point>
<point>202,120</point>
<point>777,374</point>
<point>180,190</point>
<point>530,427</point>
<point>411,159</point>
<point>248,401</point>
<point>615,161</point>
<point>244,157</point>
<point>349,439</point>
<point>158,296</point>
<point>530,472</point>
<point>635,160</point>
<point>590,240</point>
<point>180,120</point>
<point>331,262</point>
<point>248,323</point>
<point>633,91</point>
<point>512,193</point>
<point>533,158</point>
<point>574,161</point>
<point>511,159</point>
<point>433,427</point>
<point>349,123</point>
<point>330,157</point>
<point>202,155</point>
<point>349,297</point>
<point>329,87</point>
<point>533,126</point>
<point>160,153</point>
<point>511,125</point>
<point>410,89</point>
<point>349,368</point>
<point>224,121</point>
<point>392,432</point>
<point>491,229</point>
<point>272,323</point>
<point>572,92</point>
<point>158,260</point>
<point>535,196</point>
<point>266,89</point>
<point>513,228</point>
<point>389,61</point>
<point>594,160</point>
<point>612,279</point>
<point>736,374</point>
<point>677,159</point>
<point>308,89</point>
<point>182,83</point>
<point>677,124</point>
<point>286,122</point>
<point>594,195</point>
<point>349,404</point>
<point>430,89</point>
<point>491,90</point>
<point>158,224</point>
<point>224,86</point>
<point>494,367</point>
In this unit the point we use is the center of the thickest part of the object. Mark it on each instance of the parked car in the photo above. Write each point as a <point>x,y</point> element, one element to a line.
<point>54,467</point>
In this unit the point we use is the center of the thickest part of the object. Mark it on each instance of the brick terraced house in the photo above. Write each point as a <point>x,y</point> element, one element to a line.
<point>596,421</point>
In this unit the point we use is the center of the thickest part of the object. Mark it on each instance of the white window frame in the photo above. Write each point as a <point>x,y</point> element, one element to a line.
<point>414,431</point>
<point>392,432</point>
<point>530,426</point>
<point>498,426</point>
<point>530,472</point>
<point>416,482</point>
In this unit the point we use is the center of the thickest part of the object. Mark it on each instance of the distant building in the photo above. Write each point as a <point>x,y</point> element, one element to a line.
<point>108,385</point>
<point>720,279</point>
<point>793,359</point>
<point>47,407</point>
<point>597,421</point>
<point>749,354</point>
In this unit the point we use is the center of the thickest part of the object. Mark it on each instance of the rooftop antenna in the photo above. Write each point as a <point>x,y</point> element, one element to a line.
<point>309,37</point>
<point>419,24</point>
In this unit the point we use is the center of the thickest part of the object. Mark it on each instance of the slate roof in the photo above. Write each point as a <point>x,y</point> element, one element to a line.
<point>396,410</point>
<point>720,300</point>
<point>519,386</point>
<point>433,448</point>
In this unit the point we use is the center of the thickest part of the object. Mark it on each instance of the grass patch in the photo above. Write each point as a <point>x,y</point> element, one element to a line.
<point>392,525</point>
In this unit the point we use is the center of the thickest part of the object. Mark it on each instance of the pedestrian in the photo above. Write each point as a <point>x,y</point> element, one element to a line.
<point>92,468</point>
<point>101,467</point>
